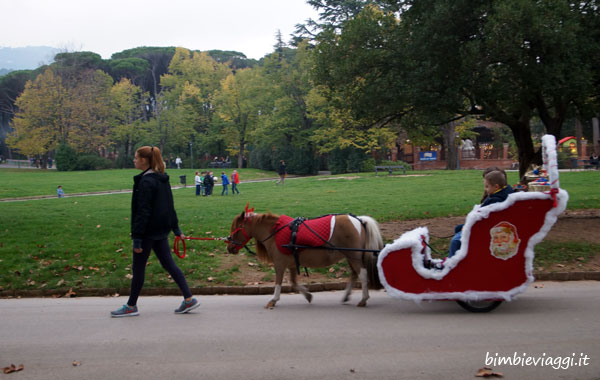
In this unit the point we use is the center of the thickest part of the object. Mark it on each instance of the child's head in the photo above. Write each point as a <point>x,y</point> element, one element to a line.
<point>60,186</point>
<point>494,181</point>
<point>197,173</point>
<point>493,169</point>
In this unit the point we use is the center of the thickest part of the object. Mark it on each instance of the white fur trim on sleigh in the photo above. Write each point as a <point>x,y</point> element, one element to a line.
<point>412,240</point>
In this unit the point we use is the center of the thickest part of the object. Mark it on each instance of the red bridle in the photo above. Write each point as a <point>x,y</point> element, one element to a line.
<point>237,245</point>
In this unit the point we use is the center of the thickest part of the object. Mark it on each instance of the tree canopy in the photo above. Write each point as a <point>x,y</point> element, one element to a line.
<point>337,96</point>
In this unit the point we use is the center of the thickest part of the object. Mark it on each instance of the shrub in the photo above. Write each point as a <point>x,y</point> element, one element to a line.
<point>66,158</point>
<point>93,162</point>
<point>348,160</point>
<point>405,165</point>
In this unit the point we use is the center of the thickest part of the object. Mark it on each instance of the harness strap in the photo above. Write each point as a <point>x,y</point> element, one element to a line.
<point>294,226</point>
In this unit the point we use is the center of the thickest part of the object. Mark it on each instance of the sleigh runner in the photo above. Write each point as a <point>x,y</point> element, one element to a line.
<point>495,261</point>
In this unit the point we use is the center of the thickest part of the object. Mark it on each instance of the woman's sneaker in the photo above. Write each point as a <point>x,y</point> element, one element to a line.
<point>187,306</point>
<point>125,311</point>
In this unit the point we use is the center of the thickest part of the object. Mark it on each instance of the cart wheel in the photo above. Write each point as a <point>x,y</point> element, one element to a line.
<point>479,306</point>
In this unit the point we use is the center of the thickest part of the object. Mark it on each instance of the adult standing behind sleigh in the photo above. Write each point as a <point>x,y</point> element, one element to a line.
<point>153,218</point>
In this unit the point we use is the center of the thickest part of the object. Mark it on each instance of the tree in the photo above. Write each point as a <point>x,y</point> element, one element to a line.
<point>91,113</point>
<point>188,91</point>
<point>239,106</point>
<point>440,61</point>
<point>128,104</point>
<point>40,123</point>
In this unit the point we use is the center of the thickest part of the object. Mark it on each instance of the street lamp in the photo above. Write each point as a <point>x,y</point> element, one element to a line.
<point>191,157</point>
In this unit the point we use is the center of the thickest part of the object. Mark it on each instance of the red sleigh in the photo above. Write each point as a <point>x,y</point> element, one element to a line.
<point>495,261</point>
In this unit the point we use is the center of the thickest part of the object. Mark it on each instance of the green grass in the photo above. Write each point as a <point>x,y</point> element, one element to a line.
<point>83,242</point>
<point>29,182</point>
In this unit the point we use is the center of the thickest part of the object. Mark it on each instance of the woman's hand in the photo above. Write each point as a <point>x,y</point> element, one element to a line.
<point>137,250</point>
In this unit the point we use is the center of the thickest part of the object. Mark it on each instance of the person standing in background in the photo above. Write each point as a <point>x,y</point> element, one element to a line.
<point>224,183</point>
<point>198,183</point>
<point>281,171</point>
<point>235,180</point>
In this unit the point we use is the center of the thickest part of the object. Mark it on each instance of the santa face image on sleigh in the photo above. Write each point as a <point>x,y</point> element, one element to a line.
<point>495,261</point>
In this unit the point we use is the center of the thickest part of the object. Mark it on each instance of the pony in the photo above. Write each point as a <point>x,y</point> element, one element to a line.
<point>354,238</point>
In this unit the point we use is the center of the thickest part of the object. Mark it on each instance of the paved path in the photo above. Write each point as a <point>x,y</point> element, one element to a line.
<point>234,337</point>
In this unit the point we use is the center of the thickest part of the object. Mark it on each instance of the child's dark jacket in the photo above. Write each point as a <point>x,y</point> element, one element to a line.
<point>499,196</point>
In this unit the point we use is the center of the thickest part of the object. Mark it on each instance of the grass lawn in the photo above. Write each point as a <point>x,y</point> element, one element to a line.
<point>83,242</point>
<point>31,182</point>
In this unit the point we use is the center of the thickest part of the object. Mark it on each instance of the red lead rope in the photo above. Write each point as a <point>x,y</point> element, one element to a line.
<point>178,239</point>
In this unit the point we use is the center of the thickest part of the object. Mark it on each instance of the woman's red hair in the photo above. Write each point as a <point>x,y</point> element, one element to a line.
<point>152,154</point>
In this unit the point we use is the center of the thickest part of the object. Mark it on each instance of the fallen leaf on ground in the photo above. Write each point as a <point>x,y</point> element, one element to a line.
<point>539,286</point>
<point>70,293</point>
<point>60,282</point>
<point>12,368</point>
<point>98,226</point>
<point>76,363</point>
<point>488,372</point>
<point>129,276</point>
<point>210,279</point>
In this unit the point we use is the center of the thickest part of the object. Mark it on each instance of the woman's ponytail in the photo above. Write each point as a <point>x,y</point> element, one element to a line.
<point>157,164</point>
<point>152,154</point>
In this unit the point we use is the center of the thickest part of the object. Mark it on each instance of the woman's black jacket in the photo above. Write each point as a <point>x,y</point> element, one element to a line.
<point>153,214</point>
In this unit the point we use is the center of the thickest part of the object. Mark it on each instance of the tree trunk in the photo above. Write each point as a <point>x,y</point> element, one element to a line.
<point>449,131</point>
<point>578,135</point>
<point>522,134</point>
<point>241,155</point>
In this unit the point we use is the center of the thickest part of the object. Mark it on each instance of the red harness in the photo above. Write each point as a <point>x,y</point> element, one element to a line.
<point>313,232</point>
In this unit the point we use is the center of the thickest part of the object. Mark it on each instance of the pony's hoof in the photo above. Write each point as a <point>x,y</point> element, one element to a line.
<point>270,305</point>
<point>308,297</point>
<point>362,304</point>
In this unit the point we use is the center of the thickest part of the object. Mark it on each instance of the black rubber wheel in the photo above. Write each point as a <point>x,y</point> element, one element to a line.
<point>479,306</point>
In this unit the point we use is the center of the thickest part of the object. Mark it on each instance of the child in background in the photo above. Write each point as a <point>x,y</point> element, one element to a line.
<point>198,182</point>
<point>224,183</point>
<point>202,187</point>
<point>60,192</point>
<point>235,180</point>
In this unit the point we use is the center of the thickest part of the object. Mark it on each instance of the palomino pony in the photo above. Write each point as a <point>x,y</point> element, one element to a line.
<point>334,239</point>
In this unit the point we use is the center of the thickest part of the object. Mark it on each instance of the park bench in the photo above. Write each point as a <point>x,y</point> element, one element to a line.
<point>220,165</point>
<point>588,164</point>
<point>390,169</point>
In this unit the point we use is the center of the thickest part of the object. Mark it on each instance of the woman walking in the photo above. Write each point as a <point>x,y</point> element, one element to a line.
<point>153,218</point>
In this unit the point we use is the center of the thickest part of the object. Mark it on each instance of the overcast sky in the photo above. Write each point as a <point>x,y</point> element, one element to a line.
<point>109,26</point>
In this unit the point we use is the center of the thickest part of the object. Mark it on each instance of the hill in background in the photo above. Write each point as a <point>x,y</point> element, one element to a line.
<point>25,58</point>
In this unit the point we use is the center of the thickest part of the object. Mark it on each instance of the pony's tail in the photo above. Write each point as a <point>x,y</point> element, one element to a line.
<point>373,241</point>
